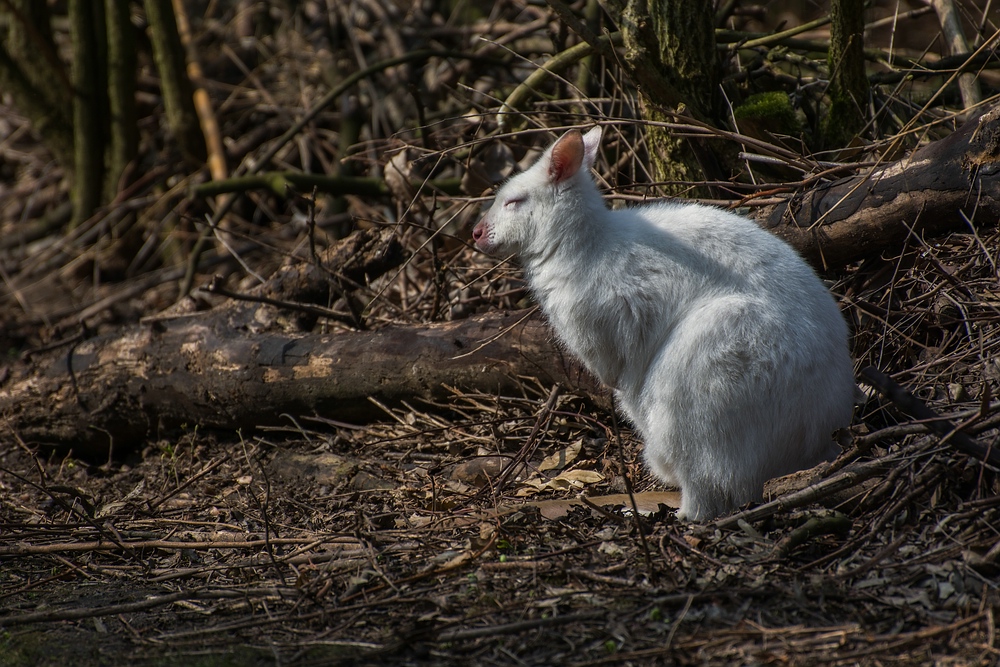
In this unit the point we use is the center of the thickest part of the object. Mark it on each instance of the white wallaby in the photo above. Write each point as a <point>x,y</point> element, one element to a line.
<point>723,347</point>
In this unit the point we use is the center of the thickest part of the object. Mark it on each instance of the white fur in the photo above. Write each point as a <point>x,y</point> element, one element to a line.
<point>722,345</point>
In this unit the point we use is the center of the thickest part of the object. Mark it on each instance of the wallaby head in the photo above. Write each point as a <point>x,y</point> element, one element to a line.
<point>555,187</point>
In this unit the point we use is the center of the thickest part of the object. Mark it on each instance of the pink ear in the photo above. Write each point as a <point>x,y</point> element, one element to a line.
<point>566,157</point>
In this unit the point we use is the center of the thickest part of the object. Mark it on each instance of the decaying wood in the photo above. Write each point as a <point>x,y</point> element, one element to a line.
<point>118,390</point>
<point>229,368</point>
<point>944,185</point>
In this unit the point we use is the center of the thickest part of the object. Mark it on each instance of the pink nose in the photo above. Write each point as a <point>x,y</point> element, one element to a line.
<point>478,232</point>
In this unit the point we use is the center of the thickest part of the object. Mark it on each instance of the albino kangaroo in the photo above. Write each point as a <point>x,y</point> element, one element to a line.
<point>723,347</point>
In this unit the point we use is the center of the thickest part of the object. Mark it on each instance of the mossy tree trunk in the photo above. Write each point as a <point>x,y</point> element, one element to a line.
<point>87,33</point>
<point>30,71</point>
<point>848,90</point>
<point>670,54</point>
<point>178,92</point>
<point>124,131</point>
<point>32,45</point>
<point>86,113</point>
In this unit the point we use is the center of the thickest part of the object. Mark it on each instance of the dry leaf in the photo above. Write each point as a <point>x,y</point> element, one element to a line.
<point>457,560</point>
<point>562,458</point>
<point>580,476</point>
<point>398,176</point>
<point>480,470</point>
<point>566,480</point>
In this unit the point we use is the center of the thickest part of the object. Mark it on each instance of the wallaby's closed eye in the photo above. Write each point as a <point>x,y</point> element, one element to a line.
<point>723,347</point>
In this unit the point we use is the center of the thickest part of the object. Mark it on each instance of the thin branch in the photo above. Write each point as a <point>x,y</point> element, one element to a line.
<point>951,26</point>
<point>916,408</point>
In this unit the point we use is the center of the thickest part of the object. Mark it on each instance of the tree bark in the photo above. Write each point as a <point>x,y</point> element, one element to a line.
<point>29,42</point>
<point>86,22</point>
<point>949,184</point>
<point>670,55</point>
<point>52,124</point>
<point>124,127</point>
<point>36,78</point>
<point>178,92</point>
<point>110,394</point>
<point>951,28</point>
<point>227,368</point>
<point>848,82</point>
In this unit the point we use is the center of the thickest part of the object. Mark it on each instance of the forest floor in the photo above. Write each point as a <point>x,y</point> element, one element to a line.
<point>373,546</point>
<point>400,541</point>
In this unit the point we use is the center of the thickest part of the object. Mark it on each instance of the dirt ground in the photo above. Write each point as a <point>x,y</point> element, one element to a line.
<point>374,546</point>
<point>483,528</point>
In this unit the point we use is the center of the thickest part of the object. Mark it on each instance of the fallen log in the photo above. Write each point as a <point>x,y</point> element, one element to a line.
<point>949,184</point>
<point>234,367</point>
<point>114,392</point>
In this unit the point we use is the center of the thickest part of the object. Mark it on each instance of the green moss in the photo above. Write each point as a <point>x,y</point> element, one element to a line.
<point>764,105</point>
<point>771,111</point>
<point>773,104</point>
